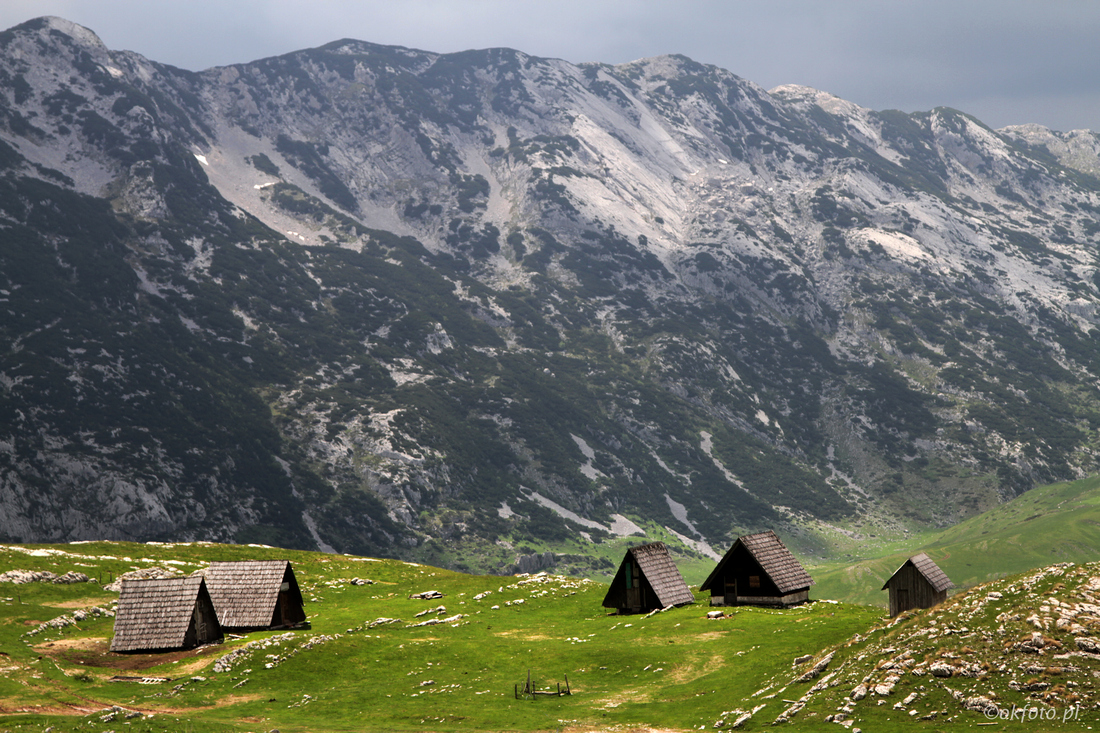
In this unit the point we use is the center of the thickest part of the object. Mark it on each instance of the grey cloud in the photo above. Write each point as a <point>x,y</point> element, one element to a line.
<point>1005,63</point>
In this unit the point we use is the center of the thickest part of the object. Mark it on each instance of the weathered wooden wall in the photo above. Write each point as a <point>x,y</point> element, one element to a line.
<point>909,589</point>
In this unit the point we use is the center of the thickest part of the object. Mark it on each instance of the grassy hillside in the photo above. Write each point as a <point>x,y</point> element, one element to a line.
<point>344,674</point>
<point>1049,524</point>
<point>1018,654</point>
<point>347,673</point>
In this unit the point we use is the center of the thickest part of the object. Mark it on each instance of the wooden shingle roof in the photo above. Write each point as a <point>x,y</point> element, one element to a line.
<point>155,614</point>
<point>929,569</point>
<point>657,567</point>
<point>778,562</point>
<point>245,592</point>
<point>774,558</point>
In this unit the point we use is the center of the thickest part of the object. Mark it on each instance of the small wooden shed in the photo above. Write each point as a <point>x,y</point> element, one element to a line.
<point>647,580</point>
<point>255,594</point>
<point>758,570</point>
<point>164,615</point>
<point>918,583</point>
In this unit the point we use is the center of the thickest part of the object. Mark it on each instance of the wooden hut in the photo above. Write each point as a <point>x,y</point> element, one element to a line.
<point>164,615</point>
<point>647,580</point>
<point>918,583</point>
<point>758,570</point>
<point>255,594</point>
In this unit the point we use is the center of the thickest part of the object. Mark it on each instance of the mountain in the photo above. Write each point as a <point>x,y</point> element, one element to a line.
<point>468,308</point>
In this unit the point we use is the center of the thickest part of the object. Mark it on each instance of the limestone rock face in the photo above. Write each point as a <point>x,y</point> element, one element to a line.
<point>370,299</point>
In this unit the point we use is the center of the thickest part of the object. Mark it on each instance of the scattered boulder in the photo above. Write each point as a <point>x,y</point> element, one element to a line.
<point>429,622</point>
<point>884,689</point>
<point>436,621</point>
<point>789,713</point>
<point>743,717</point>
<point>982,704</point>
<point>426,611</point>
<point>1035,644</point>
<point>741,720</point>
<point>141,574</point>
<point>22,577</point>
<point>1088,644</point>
<point>941,669</point>
<point>426,595</point>
<point>817,669</point>
<point>383,621</point>
<point>70,619</point>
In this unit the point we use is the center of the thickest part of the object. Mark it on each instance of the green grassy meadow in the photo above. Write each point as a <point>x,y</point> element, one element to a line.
<point>674,670</point>
<point>1049,524</point>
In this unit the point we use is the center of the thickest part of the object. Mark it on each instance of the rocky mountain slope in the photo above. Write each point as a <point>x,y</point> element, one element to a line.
<point>464,306</point>
<point>1021,650</point>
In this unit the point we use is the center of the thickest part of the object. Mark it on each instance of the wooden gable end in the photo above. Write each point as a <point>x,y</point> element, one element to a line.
<point>255,594</point>
<point>918,583</point>
<point>758,569</point>
<point>647,579</point>
<point>744,576</point>
<point>164,615</point>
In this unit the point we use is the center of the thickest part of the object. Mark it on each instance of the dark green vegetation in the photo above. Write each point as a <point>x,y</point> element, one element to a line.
<point>674,670</point>
<point>493,302</point>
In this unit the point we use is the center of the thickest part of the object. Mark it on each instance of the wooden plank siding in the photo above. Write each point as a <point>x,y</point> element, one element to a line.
<point>255,594</point>
<point>164,615</point>
<point>647,580</point>
<point>918,583</point>
<point>758,570</point>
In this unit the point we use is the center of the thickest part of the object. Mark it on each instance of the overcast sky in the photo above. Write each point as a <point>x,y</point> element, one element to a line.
<point>1004,61</point>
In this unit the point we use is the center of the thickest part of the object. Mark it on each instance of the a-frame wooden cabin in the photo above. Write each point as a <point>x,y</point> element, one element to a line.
<point>758,570</point>
<point>255,594</point>
<point>918,583</point>
<point>647,580</point>
<point>164,615</point>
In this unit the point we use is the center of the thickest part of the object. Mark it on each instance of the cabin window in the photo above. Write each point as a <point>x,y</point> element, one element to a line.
<point>754,581</point>
<point>629,582</point>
